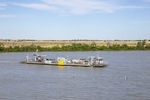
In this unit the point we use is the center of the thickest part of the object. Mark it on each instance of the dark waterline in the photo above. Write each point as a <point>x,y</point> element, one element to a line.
<point>126,77</point>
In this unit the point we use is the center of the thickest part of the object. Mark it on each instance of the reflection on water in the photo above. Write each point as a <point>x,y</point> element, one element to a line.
<point>60,67</point>
<point>126,78</point>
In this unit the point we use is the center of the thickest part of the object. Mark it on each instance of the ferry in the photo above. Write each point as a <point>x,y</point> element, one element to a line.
<point>92,61</point>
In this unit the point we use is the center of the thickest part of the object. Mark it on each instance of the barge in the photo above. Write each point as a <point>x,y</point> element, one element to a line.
<point>92,61</point>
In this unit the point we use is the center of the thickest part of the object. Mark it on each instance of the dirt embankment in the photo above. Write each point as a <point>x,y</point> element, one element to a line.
<point>51,43</point>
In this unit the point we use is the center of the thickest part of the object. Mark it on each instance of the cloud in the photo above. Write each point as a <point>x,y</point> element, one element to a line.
<point>8,16</point>
<point>2,6</point>
<point>36,6</point>
<point>79,6</point>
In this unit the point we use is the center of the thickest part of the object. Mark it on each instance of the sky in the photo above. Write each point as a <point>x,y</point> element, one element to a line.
<point>75,19</point>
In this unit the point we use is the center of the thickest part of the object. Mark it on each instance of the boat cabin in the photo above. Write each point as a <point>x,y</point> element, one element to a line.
<point>95,60</point>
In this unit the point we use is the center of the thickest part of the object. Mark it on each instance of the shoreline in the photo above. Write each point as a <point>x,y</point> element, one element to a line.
<point>60,43</point>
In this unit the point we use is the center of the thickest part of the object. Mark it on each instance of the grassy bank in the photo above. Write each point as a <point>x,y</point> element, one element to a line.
<point>60,43</point>
<point>71,45</point>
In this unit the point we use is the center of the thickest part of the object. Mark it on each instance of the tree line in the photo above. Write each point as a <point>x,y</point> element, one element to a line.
<point>141,45</point>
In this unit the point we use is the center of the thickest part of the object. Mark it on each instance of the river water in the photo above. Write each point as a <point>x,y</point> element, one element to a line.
<point>126,78</point>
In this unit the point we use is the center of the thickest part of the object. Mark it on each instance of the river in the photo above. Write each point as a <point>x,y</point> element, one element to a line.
<point>126,78</point>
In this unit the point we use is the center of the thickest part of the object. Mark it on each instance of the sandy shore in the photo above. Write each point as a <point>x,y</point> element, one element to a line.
<point>51,43</point>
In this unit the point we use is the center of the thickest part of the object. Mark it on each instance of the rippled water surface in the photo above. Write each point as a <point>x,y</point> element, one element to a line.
<point>126,78</point>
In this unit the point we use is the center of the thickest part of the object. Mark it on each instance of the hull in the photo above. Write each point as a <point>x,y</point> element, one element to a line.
<point>56,64</point>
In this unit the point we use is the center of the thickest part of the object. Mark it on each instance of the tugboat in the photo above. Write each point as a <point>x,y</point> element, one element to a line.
<point>93,61</point>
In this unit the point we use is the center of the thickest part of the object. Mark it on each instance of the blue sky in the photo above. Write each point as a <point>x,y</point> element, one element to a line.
<point>75,19</point>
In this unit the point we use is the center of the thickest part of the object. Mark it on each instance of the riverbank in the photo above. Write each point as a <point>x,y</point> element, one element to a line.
<point>72,45</point>
<point>60,43</point>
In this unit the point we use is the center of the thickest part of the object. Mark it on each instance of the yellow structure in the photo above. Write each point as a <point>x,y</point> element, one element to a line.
<point>60,62</point>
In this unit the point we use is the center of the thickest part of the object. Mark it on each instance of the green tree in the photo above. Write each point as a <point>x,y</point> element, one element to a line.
<point>1,48</point>
<point>141,45</point>
<point>124,47</point>
<point>93,46</point>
